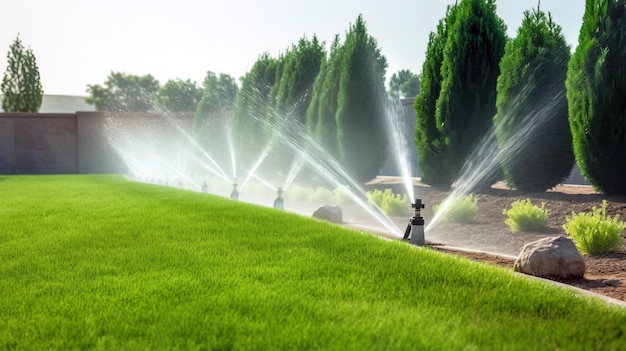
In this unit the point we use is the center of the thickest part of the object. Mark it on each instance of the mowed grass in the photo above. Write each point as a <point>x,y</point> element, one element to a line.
<point>99,262</point>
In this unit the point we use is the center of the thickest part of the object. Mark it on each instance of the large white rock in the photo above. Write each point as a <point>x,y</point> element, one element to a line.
<point>329,213</point>
<point>553,257</point>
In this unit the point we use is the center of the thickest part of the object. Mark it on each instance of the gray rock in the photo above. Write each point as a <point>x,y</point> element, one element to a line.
<point>329,213</point>
<point>554,257</point>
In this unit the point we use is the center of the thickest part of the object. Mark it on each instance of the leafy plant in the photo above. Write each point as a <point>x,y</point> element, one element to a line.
<point>376,196</point>
<point>524,216</point>
<point>323,195</point>
<point>298,192</point>
<point>341,195</point>
<point>396,205</point>
<point>594,232</point>
<point>459,210</point>
<point>392,204</point>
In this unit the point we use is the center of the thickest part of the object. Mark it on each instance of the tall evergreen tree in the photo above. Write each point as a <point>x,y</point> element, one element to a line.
<point>301,67</point>
<point>213,121</point>
<point>532,127</point>
<point>429,142</point>
<point>294,86</point>
<point>361,105</point>
<point>323,107</point>
<point>21,85</point>
<point>254,109</point>
<point>596,86</point>
<point>470,69</point>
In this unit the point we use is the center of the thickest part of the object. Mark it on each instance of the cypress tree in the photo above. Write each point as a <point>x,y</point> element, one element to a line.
<point>253,109</point>
<point>21,85</point>
<point>295,85</point>
<point>596,86</point>
<point>213,120</point>
<point>323,107</point>
<point>299,69</point>
<point>429,142</point>
<point>361,104</point>
<point>532,127</point>
<point>467,102</point>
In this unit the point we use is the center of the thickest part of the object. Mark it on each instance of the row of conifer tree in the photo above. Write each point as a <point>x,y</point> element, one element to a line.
<point>545,107</point>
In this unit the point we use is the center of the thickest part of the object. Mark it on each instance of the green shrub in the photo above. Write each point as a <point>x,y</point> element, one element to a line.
<point>459,210</point>
<point>524,216</point>
<point>297,192</point>
<point>376,196</point>
<point>323,195</point>
<point>593,232</point>
<point>341,195</point>
<point>392,204</point>
<point>397,205</point>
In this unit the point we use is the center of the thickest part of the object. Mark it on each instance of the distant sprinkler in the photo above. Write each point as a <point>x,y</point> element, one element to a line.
<point>279,203</point>
<point>415,229</point>
<point>180,184</point>
<point>235,194</point>
<point>205,187</point>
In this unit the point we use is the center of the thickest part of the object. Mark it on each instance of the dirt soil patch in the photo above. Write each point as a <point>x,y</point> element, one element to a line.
<point>606,273</point>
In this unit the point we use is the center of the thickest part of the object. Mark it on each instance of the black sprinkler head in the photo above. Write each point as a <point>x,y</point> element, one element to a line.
<point>235,194</point>
<point>418,204</point>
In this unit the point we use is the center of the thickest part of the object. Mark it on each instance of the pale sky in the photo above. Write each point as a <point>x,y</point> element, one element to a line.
<point>79,42</point>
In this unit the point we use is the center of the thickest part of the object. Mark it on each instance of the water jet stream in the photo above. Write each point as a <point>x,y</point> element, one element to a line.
<point>396,125</point>
<point>295,168</point>
<point>265,182</point>
<point>489,155</point>
<point>257,163</point>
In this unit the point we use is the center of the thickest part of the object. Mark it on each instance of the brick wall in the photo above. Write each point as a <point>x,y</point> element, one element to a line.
<point>65,143</point>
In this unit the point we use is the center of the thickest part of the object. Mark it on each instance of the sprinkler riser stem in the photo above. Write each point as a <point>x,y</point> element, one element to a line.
<point>417,234</point>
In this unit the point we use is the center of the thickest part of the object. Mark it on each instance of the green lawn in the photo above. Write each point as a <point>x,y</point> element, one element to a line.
<point>99,262</point>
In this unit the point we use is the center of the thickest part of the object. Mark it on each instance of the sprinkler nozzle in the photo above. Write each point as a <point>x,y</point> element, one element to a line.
<point>235,194</point>
<point>417,206</point>
<point>415,229</point>
<point>279,203</point>
<point>205,187</point>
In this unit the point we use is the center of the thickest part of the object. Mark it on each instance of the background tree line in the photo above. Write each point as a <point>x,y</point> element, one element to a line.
<point>476,85</point>
<point>544,110</point>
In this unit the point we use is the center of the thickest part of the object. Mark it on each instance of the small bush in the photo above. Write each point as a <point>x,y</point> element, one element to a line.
<point>376,197</point>
<point>299,193</point>
<point>524,216</point>
<point>323,196</point>
<point>593,232</point>
<point>396,206</point>
<point>341,194</point>
<point>460,210</point>
<point>392,204</point>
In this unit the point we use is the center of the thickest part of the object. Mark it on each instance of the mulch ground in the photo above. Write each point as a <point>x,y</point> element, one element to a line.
<point>605,274</point>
